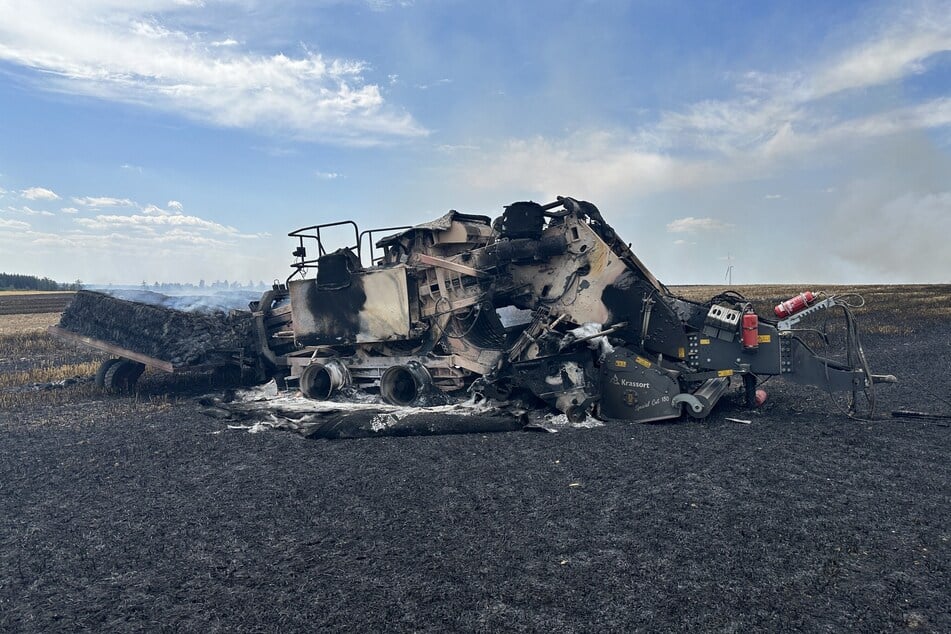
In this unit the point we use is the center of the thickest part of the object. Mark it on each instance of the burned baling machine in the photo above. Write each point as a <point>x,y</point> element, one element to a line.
<point>545,302</point>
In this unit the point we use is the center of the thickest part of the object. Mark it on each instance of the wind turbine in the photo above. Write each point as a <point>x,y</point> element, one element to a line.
<point>729,270</point>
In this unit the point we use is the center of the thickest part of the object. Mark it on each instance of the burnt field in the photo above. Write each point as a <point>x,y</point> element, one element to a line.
<point>139,513</point>
<point>21,303</point>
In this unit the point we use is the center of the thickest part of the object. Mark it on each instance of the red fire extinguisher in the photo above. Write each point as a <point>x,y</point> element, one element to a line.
<point>750,335</point>
<point>794,305</point>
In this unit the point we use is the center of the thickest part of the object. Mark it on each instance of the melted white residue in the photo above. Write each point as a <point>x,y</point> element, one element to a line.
<point>292,400</point>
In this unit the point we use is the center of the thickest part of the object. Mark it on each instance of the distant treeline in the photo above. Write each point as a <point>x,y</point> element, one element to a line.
<point>217,285</point>
<point>14,282</point>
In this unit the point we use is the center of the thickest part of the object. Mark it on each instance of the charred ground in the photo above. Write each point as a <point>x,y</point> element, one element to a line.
<point>137,513</point>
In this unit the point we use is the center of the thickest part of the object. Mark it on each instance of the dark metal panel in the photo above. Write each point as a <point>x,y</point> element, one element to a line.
<point>717,354</point>
<point>634,390</point>
<point>809,369</point>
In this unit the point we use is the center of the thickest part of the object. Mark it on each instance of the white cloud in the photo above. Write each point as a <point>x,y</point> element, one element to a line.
<point>152,222</point>
<point>923,31</point>
<point>383,5</point>
<point>450,148</point>
<point>39,193</point>
<point>438,82</point>
<point>931,114</point>
<point>29,211</point>
<point>126,245</point>
<point>773,196</point>
<point>226,42</point>
<point>178,236</point>
<point>151,249</point>
<point>172,207</point>
<point>154,210</point>
<point>72,48</point>
<point>585,164</point>
<point>770,122</point>
<point>103,201</point>
<point>329,176</point>
<point>778,115</point>
<point>691,224</point>
<point>13,224</point>
<point>278,151</point>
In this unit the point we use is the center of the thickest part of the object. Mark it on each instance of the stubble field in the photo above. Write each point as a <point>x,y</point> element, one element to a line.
<point>138,513</point>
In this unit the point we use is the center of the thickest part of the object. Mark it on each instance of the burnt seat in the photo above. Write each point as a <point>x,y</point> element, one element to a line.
<point>334,270</point>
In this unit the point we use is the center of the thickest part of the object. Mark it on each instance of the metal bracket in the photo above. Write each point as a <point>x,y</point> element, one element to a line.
<point>691,401</point>
<point>701,402</point>
<point>792,320</point>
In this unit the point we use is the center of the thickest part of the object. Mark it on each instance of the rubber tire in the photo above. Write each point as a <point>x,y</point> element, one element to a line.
<point>121,377</point>
<point>103,370</point>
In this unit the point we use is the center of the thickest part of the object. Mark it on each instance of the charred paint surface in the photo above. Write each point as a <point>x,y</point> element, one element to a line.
<point>627,299</point>
<point>565,381</point>
<point>329,316</point>
<point>372,306</point>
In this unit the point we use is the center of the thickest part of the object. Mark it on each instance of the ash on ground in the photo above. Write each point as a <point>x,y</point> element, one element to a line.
<point>358,414</point>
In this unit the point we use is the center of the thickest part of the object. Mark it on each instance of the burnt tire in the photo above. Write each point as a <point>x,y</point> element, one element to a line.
<point>314,383</point>
<point>121,377</point>
<point>405,384</point>
<point>104,368</point>
<point>321,380</point>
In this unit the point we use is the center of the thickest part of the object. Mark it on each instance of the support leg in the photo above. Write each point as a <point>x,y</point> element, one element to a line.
<point>749,386</point>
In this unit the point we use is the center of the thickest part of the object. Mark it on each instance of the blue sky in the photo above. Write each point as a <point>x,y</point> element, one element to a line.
<point>178,140</point>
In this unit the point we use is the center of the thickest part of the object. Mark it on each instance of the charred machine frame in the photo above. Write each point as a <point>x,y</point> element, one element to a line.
<point>420,313</point>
